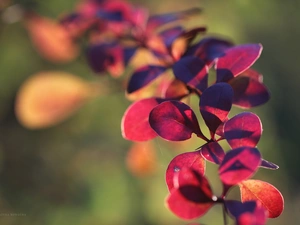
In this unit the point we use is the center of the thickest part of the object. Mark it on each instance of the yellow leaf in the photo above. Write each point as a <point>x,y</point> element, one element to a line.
<point>47,98</point>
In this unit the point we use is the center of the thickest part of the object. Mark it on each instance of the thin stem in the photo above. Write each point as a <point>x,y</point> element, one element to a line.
<point>224,215</point>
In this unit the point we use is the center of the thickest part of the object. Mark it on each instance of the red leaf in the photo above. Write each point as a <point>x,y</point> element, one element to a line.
<point>236,60</point>
<point>244,129</point>
<point>213,152</point>
<point>269,196</point>
<point>135,122</point>
<point>215,105</point>
<point>192,71</point>
<point>191,197</point>
<point>249,92</point>
<point>174,121</point>
<point>247,213</point>
<point>220,129</point>
<point>192,160</point>
<point>253,74</point>
<point>239,164</point>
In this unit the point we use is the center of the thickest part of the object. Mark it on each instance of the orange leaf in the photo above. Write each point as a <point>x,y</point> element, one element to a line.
<point>141,159</point>
<point>269,196</point>
<point>47,98</point>
<point>51,39</point>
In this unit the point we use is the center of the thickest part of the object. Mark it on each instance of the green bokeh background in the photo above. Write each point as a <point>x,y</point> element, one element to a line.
<point>74,173</point>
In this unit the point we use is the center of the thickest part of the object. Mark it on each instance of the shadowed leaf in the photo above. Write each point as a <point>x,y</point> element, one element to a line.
<point>135,122</point>
<point>249,92</point>
<point>244,129</point>
<point>252,74</point>
<point>144,76</point>
<point>109,57</point>
<point>191,196</point>
<point>239,164</point>
<point>159,20</point>
<point>215,105</point>
<point>180,45</point>
<point>269,196</point>
<point>176,89</point>
<point>213,152</point>
<point>208,49</point>
<point>220,129</point>
<point>192,160</point>
<point>247,213</point>
<point>174,121</point>
<point>192,71</point>
<point>170,35</point>
<point>236,60</point>
<point>114,11</point>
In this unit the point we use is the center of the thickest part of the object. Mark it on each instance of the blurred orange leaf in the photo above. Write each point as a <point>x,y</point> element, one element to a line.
<point>47,98</point>
<point>51,39</point>
<point>141,159</point>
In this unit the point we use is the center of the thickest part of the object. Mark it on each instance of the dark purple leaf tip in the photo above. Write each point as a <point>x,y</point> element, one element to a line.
<point>215,105</point>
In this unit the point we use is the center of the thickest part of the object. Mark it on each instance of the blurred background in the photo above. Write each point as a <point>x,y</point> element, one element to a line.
<point>76,172</point>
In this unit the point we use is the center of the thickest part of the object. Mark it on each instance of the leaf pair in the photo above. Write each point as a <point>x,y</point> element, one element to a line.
<point>176,121</point>
<point>191,196</point>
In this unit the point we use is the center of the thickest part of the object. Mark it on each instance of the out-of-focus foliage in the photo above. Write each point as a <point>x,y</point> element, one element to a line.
<point>47,98</point>
<point>75,172</point>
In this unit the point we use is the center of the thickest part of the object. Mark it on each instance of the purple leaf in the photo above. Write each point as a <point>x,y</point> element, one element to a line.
<point>191,34</point>
<point>170,35</point>
<point>239,164</point>
<point>244,129</point>
<point>180,45</point>
<point>114,11</point>
<point>99,56</point>
<point>143,76</point>
<point>192,71</point>
<point>174,121</point>
<point>191,196</point>
<point>192,160</point>
<point>268,165</point>
<point>135,124</point>
<point>249,92</point>
<point>128,53</point>
<point>208,49</point>
<point>247,213</point>
<point>213,152</point>
<point>236,60</point>
<point>215,104</point>
<point>115,16</point>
